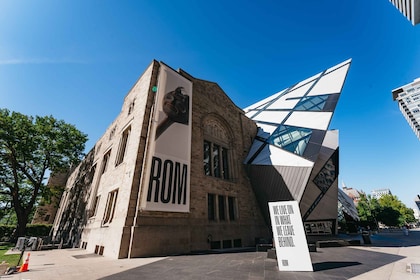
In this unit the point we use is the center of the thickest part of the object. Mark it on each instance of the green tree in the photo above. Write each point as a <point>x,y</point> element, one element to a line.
<point>368,209</point>
<point>389,216</point>
<point>406,214</point>
<point>30,147</point>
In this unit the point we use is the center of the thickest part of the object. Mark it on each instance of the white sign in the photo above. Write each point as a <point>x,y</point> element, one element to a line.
<point>168,184</point>
<point>289,237</point>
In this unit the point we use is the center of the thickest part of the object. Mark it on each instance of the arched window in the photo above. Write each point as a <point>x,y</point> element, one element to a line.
<point>217,154</point>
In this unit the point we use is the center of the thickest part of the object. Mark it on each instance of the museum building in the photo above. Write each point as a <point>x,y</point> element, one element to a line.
<point>182,169</point>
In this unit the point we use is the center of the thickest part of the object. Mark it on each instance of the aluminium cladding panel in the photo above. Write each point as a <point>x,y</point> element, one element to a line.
<point>307,81</point>
<point>327,208</point>
<point>273,155</point>
<point>265,129</point>
<point>321,205</point>
<point>298,90</point>
<point>295,178</point>
<point>274,117</point>
<point>277,183</point>
<point>331,82</point>
<point>314,120</point>
<point>250,110</point>
<point>348,204</point>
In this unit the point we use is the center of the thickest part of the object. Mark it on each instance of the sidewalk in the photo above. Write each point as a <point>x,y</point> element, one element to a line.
<point>386,258</point>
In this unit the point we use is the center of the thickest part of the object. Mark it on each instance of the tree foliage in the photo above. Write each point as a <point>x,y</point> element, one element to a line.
<point>389,216</point>
<point>368,208</point>
<point>392,201</point>
<point>30,147</point>
<point>388,209</point>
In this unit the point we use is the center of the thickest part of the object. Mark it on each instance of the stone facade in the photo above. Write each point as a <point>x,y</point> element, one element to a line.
<point>45,213</point>
<point>223,211</point>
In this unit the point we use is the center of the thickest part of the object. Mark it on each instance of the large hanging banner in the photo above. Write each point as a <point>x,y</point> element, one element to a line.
<point>168,167</point>
<point>289,237</point>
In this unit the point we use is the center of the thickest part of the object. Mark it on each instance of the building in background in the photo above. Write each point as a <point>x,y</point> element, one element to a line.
<point>409,8</point>
<point>348,215</point>
<point>408,97</point>
<point>183,169</point>
<point>352,193</point>
<point>378,193</point>
<point>417,201</point>
<point>47,209</point>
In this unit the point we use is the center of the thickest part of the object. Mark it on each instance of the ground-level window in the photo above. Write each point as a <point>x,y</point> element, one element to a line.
<point>211,207</point>
<point>221,208</point>
<point>110,206</point>
<point>232,208</point>
<point>216,160</point>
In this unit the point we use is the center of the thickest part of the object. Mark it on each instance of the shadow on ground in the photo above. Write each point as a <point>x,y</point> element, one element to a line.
<point>328,263</point>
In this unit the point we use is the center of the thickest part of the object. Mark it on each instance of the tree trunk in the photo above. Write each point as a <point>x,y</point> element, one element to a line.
<point>22,218</point>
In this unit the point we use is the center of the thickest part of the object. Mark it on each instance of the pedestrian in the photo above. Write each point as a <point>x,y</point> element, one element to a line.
<point>405,230</point>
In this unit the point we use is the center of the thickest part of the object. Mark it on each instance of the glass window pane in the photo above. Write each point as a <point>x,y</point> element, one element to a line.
<point>231,205</point>
<point>290,138</point>
<point>210,207</point>
<point>206,159</point>
<point>216,163</point>
<point>222,212</point>
<point>312,103</point>
<point>225,163</point>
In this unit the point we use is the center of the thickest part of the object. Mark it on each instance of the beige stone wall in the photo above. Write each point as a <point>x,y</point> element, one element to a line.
<point>122,177</point>
<point>137,233</point>
<point>162,233</point>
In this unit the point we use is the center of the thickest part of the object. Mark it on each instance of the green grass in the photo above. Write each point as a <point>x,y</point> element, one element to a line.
<point>11,259</point>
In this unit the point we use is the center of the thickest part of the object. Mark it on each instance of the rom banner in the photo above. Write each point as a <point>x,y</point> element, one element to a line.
<point>168,184</point>
<point>289,237</point>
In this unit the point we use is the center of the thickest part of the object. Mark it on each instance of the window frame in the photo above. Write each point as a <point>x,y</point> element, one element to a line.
<point>125,136</point>
<point>111,204</point>
<point>216,160</point>
<point>222,208</point>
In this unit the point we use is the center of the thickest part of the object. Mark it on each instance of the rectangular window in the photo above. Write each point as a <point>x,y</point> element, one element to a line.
<point>221,204</point>
<point>231,208</point>
<point>123,146</point>
<point>110,206</point>
<point>211,207</point>
<point>105,161</point>
<point>94,208</point>
<point>221,208</point>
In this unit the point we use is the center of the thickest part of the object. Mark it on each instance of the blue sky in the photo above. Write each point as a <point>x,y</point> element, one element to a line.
<point>76,60</point>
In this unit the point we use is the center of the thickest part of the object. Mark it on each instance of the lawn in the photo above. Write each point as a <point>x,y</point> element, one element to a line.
<point>11,259</point>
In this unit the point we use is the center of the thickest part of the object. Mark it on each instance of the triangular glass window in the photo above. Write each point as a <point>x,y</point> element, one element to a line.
<point>312,103</point>
<point>290,138</point>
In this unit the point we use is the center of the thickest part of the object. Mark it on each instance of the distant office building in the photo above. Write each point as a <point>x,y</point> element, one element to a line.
<point>408,97</point>
<point>409,8</point>
<point>380,192</point>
